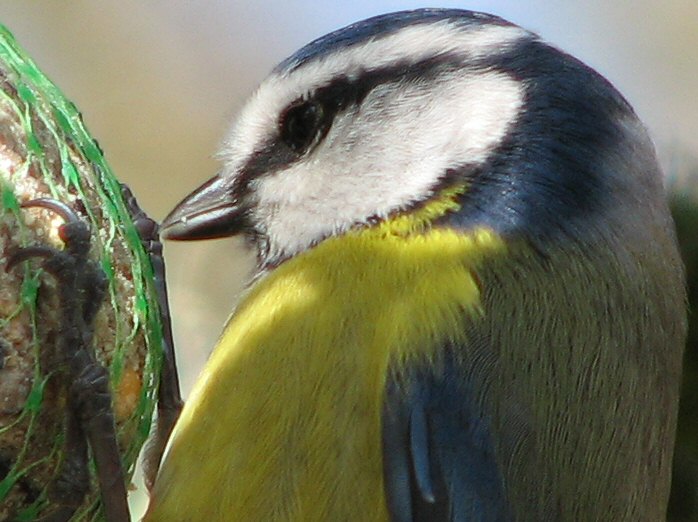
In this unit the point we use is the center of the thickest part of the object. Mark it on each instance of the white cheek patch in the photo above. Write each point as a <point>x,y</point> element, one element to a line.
<point>386,155</point>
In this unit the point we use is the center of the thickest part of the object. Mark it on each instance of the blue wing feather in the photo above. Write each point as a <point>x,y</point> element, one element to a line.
<point>439,458</point>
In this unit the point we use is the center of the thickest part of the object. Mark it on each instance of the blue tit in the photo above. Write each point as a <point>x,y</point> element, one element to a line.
<point>469,303</point>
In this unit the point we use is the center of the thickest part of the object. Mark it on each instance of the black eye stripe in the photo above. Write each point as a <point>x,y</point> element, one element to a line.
<point>337,96</point>
<point>306,121</point>
<point>302,124</point>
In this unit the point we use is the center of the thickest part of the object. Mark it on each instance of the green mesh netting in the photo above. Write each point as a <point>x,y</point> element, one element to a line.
<point>45,151</point>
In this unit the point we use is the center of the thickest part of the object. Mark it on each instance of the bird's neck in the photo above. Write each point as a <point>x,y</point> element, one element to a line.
<point>417,220</point>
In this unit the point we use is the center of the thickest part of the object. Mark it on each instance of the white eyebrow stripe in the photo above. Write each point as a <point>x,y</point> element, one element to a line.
<point>411,44</point>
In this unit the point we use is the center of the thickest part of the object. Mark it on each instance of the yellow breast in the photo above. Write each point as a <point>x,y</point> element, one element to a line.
<point>284,423</point>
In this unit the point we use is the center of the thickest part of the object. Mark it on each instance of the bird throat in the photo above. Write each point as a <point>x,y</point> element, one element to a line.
<point>302,364</point>
<point>421,218</point>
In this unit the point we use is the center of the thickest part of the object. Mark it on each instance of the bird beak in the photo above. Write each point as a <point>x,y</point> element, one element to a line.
<point>210,212</point>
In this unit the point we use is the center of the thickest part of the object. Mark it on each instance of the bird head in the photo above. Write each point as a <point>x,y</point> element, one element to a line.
<point>380,117</point>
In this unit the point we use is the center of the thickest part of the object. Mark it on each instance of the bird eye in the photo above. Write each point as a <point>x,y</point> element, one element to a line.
<point>301,124</point>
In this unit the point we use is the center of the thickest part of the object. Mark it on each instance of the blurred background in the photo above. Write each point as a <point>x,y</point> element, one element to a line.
<point>158,82</point>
